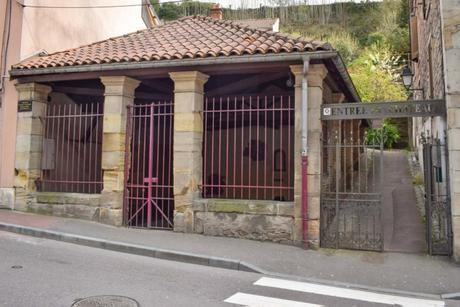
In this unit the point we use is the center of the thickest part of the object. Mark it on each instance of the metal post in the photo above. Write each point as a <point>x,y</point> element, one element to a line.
<point>304,154</point>
<point>150,179</point>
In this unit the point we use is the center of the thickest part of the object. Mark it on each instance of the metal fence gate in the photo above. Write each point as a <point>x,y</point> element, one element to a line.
<point>149,199</point>
<point>437,200</point>
<point>351,188</point>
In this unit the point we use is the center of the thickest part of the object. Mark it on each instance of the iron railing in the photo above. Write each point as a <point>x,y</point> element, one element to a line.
<point>248,147</point>
<point>72,148</point>
<point>437,198</point>
<point>351,188</point>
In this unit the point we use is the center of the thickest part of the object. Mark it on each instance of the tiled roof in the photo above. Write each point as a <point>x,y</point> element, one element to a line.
<point>260,24</point>
<point>188,37</point>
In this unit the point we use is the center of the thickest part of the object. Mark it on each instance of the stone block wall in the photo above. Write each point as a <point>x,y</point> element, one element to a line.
<point>451,34</point>
<point>256,220</point>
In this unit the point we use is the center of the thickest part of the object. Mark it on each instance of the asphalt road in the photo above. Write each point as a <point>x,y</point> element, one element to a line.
<point>39,272</point>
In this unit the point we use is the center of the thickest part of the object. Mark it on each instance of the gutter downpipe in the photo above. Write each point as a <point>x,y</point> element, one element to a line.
<point>304,153</point>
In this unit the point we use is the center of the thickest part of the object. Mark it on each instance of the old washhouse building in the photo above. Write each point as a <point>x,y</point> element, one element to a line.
<point>196,126</point>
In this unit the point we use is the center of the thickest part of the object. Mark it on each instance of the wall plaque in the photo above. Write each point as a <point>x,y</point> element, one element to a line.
<point>24,105</point>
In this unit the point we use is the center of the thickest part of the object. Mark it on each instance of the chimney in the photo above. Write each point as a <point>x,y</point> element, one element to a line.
<point>216,11</point>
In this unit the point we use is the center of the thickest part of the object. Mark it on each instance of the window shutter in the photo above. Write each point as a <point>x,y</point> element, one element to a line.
<point>414,38</point>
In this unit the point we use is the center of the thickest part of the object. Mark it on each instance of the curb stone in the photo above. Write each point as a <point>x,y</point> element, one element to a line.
<point>132,248</point>
<point>198,259</point>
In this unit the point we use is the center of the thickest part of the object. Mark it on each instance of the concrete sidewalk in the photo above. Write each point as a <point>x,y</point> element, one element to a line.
<point>403,272</point>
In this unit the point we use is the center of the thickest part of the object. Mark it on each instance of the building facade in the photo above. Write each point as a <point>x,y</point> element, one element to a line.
<point>33,27</point>
<point>435,45</point>
<point>195,126</point>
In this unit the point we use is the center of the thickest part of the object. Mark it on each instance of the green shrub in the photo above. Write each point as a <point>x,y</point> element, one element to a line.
<point>388,134</point>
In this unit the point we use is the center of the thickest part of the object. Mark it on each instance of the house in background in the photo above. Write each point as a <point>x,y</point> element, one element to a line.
<point>435,54</point>
<point>37,27</point>
<point>266,24</point>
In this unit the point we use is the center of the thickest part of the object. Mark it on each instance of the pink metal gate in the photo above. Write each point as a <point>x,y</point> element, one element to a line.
<point>148,199</point>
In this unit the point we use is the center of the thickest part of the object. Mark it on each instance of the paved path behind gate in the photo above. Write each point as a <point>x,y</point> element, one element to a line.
<point>401,271</point>
<point>403,227</point>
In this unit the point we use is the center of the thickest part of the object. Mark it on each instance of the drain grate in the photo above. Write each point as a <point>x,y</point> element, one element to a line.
<point>106,301</point>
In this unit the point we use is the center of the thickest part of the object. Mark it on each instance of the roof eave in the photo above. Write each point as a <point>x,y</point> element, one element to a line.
<point>240,59</point>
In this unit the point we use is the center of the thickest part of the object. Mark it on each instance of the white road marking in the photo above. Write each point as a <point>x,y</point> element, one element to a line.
<point>252,300</point>
<point>359,295</point>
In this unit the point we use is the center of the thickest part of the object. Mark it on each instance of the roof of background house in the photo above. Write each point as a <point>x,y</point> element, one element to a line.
<point>188,37</point>
<point>260,24</point>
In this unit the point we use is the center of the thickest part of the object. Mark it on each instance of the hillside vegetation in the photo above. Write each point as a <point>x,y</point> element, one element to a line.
<point>371,37</point>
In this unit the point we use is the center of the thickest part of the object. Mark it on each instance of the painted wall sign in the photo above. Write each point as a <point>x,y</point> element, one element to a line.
<point>24,105</point>
<point>376,110</point>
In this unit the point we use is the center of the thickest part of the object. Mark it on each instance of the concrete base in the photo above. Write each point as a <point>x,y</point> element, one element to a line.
<point>256,220</point>
<point>7,198</point>
<point>74,205</point>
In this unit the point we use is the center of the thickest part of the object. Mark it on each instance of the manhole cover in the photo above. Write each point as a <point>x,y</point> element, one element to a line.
<point>106,301</point>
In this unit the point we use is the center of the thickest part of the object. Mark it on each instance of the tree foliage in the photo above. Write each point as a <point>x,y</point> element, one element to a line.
<point>388,135</point>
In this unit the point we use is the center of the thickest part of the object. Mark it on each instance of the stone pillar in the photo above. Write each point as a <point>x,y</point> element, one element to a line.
<point>451,36</point>
<point>119,93</point>
<point>188,138</point>
<point>315,75</point>
<point>29,141</point>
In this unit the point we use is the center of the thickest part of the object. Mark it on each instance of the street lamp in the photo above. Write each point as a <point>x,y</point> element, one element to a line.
<point>407,76</point>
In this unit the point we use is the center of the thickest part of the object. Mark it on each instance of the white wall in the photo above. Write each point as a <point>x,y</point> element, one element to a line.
<point>56,29</point>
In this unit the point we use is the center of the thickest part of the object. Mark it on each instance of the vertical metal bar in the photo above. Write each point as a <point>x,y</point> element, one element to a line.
<point>51,110</point>
<point>235,115</point>
<point>337,182</point>
<point>67,155</point>
<point>250,152</point>
<point>265,148</point>
<point>219,152</point>
<point>79,144</point>
<point>61,144</point>
<point>90,134</point>
<point>85,185</point>
<point>227,148</point>
<point>161,182</point>
<point>96,160</point>
<point>150,171</point>
<point>257,148</point>
<point>205,142</point>
<point>345,143</point>
<point>381,195</point>
<point>289,158</point>
<point>156,116</point>
<point>273,149</point>
<point>281,146</point>
<point>74,162</point>
<point>143,111</point>
<point>170,157</point>
<point>352,143</point>
<point>128,154</point>
<point>242,148</point>
<point>212,148</point>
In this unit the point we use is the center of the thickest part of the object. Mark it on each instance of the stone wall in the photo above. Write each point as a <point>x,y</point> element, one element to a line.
<point>430,47</point>
<point>451,35</point>
<point>75,205</point>
<point>248,219</point>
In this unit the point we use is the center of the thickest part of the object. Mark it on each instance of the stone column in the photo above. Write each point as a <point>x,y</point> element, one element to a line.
<point>188,139</point>
<point>451,36</point>
<point>119,93</point>
<point>29,141</point>
<point>315,77</point>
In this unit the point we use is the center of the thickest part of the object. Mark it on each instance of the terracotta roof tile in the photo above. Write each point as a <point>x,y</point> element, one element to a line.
<point>188,37</point>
